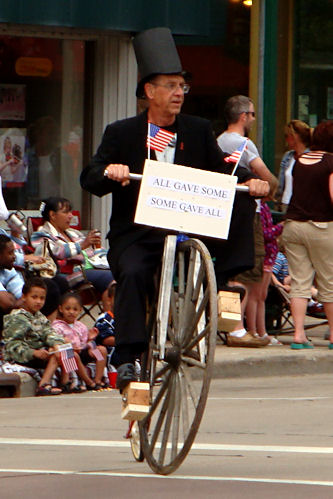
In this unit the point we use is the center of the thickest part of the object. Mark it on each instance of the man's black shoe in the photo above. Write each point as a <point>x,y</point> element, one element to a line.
<point>125,374</point>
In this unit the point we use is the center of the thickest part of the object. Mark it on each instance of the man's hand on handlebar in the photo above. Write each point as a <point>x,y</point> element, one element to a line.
<point>258,188</point>
<point>118,172</point>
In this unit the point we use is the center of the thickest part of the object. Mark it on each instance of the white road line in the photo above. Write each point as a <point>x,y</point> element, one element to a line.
<point>61,442</point>
<point>196,446</point>
<point>171,477</point>
<point>270,398</point>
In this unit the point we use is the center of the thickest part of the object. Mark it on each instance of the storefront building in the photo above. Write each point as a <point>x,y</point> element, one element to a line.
<point>67,69</point>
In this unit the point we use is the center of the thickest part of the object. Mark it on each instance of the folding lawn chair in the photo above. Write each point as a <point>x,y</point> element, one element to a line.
<point>278,313</point>
<point>91,301</point>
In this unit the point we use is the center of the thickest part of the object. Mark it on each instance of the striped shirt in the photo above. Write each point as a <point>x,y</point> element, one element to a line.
<point>280,267</point>
<point>60,247</point>
<point>12,282</point>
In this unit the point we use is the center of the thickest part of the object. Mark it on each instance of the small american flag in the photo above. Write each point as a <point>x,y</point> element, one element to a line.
<point>158,138</point>
<point>94,350</point>
<point>68,360</point>
<point>236,155</point>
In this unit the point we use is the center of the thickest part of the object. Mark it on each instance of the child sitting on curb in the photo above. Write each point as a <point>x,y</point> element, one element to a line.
<point>106,331</point>
<point>105,322</point>
<point>29,338</point>
<point>82,340</point>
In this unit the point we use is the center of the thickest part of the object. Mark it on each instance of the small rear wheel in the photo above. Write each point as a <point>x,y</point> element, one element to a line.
<point>136,442</point>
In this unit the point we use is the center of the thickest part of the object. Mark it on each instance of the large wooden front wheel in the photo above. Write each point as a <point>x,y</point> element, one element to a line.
<point>179,384</point>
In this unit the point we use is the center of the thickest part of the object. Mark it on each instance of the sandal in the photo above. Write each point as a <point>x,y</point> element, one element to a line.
<point>70,388</point>
<point>94,387</point>
<point>47,389</point>
<point>103,385</point>
<point>67,387</point>
<point>273,341</point>
<point>79,389</point>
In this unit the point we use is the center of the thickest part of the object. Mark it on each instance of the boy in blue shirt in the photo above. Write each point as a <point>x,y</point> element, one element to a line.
<point>105,322</point>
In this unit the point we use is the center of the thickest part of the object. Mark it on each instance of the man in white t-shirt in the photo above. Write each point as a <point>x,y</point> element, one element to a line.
<point>240,116</point>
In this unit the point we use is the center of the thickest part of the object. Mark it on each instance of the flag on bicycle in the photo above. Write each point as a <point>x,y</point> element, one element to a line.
<point>236,155</point>
<point>158,138</point>
<point>68,360</point>
<point>94,350</point>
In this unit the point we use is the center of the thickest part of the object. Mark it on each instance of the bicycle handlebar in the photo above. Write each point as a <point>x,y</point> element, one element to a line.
<point>138,176</point>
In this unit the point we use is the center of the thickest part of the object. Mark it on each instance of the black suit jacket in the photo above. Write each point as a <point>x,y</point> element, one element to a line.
<point>125,142</point>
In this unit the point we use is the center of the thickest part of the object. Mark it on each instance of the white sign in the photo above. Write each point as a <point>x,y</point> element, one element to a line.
<point>186,199</point>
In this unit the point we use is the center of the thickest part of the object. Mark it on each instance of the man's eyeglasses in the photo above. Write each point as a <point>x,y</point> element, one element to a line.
<point>172,87</point>
<point>251,112</point>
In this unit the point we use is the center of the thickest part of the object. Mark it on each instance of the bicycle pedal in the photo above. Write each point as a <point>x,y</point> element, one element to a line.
<point>229,310</point>
<point>135,401</point>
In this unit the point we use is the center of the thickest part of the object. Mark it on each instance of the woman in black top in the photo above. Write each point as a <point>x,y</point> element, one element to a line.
<point>308,231</point>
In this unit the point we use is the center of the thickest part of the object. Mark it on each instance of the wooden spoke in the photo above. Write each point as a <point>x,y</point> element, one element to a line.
<point>196,339</point>
<point>190,386</point>
<point>161,391</point>
<point>168,421</point>
<point>197,316</point>
<point>176,420</point>
<point>193,362</point>
<point>198,284</point>
<point>160,419</point>
<point>159,374</point>
<point>185,412</point>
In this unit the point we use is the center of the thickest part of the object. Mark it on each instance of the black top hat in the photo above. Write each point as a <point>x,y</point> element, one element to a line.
<point>156,53</point>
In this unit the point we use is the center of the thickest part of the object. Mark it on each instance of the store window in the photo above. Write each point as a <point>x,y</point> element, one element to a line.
<point>219,64</point>
<point>313,60</point>
<point>41,119</point>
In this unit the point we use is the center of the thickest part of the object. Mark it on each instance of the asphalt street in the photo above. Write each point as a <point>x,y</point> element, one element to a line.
<point>260,437</point>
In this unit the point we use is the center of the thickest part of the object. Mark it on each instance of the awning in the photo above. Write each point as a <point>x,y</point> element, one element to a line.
<point>183,17</point>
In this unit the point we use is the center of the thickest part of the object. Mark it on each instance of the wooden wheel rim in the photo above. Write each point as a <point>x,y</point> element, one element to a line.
<point>193,317</point>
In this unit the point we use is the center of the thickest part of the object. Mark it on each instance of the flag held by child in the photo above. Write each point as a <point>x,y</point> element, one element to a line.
<point>68,359</point>
<point>94,350</point>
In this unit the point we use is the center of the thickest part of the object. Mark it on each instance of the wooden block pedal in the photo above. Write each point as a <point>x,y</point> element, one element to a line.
<point>229,310</point>
<point>135,401</point>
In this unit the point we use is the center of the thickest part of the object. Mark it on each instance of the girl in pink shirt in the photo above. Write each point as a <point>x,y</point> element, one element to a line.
<point>255,312</point>
<point>81,339</point>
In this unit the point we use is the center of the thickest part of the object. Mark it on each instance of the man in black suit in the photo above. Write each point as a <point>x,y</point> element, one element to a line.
<point>135,251</point>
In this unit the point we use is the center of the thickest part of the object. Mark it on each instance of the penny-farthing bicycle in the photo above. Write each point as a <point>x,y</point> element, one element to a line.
<point>178,365</point>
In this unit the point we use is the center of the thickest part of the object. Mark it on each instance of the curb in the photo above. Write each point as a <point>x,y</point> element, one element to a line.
<point>317,361</point>
<point>17,385</point>
<point>229,363</point>
<point>9,385</point>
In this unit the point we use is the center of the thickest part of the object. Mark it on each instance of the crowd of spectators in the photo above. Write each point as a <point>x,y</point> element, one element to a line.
<point>40,313</point>
<point>40,304</point>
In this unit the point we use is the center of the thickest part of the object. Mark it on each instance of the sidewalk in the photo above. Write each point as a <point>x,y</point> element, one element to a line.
<point>231,362</point>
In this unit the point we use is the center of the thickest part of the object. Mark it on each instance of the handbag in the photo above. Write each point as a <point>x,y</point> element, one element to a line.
<point>46,269</point>
<point>75,278</point>
<point>97,261</point>
<point>72,270</point>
